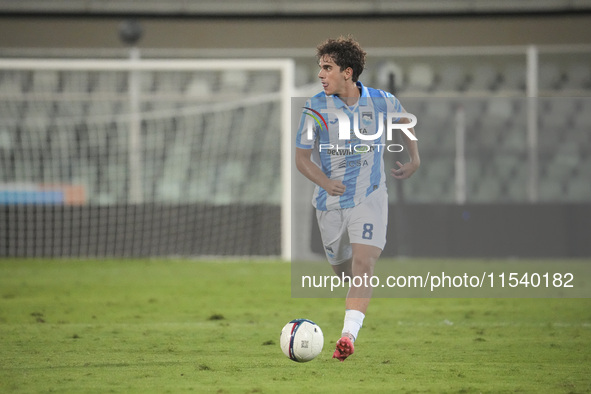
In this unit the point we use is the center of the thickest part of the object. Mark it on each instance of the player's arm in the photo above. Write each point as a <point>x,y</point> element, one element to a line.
<point>306,166</point>
<point>407,169</point>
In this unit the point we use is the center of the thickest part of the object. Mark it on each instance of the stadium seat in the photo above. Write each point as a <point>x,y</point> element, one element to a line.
<point>515,187</point>
<point>420,78</point>
<point>7,133</point>
<point>452,78</point>
<point>11,82</point>
<point>473,111</point>
<point>199,86</point>
<point>75,82</point>
<point>439,109</point>
<point>582,122</point>
<point>549,77</point>
<point>233,81</point>
<point>305,74</point>
<point>264,82</point>
<point>65,110</point>
<point>495,121</point>
<point>561,107</point>
<point>178,159</point>
<point>101,109</point>
<point>170,82</point>
<point>108,81</point>
<point>551,190</point>
<point>199,186</point>
<point>577,76</point>
<point>505,164</point>
<point>33,132</point>
<point>563,164</point>
<point>584,168</point>
<point>513,139</point>
<point>578,189</point>
<point>513,77</point>
<point>488,190</point>
<point>45,81</point>
<point>231,176</point>
<point>484,77</point>
<point>169,191</point>
<point>384,71</point>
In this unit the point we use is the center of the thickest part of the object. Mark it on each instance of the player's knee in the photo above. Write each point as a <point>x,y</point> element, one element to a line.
<point>364,264</point>
<point>343,270</point>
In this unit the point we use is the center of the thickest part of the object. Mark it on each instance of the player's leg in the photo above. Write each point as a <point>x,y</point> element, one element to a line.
<point>335,239</point>
<point>358,297</point>
<point>344,269</point>
<point>363,264</point>
<point>339,253</point>
<point>367,231</point>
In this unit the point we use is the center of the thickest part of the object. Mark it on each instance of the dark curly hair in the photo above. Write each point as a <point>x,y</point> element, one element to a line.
<point>345,52</point>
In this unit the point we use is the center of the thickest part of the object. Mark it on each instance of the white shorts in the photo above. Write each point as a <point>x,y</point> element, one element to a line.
<point>365,223</point>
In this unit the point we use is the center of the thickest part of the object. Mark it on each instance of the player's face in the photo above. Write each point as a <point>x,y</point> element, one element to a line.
<point>332,77</point>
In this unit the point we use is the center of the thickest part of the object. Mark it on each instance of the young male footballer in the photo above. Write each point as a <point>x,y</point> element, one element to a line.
<point>350,196</point>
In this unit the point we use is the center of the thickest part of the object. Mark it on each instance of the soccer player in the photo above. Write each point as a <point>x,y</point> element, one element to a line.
<point>350,195</point>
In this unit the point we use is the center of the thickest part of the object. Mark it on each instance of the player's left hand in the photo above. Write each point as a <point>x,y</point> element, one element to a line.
<point>405,170</point>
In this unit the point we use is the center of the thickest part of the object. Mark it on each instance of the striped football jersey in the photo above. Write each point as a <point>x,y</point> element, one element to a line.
<point>356,162</point>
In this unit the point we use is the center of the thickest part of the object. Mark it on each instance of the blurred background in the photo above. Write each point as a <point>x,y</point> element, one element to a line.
<point>113,159</point>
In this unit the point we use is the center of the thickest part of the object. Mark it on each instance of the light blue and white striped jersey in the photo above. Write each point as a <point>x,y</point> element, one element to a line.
<point>357,163</point>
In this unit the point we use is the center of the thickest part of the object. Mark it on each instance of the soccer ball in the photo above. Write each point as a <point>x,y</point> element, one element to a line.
<point>301,340</point>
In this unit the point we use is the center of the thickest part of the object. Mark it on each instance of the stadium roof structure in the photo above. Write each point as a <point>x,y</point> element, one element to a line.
<point>287,8</point>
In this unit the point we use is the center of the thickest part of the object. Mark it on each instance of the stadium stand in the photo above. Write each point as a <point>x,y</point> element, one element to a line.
<point>72,129</point>
<point>83,126</point>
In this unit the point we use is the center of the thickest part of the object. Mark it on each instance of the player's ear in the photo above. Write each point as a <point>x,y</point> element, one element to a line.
<point>349,73</point>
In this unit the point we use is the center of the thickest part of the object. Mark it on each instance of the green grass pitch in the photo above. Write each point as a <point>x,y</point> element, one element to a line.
<point>175,326</point>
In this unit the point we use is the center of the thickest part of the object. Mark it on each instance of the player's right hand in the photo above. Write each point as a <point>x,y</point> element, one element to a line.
<point>335,188</point>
